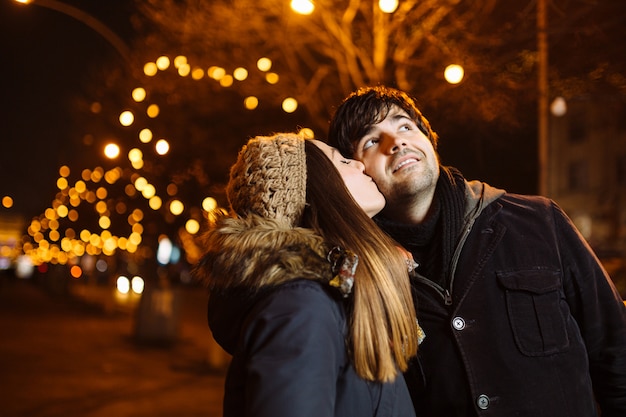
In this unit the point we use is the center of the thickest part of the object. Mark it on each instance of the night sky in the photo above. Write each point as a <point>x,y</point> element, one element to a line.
<point>44,55</point>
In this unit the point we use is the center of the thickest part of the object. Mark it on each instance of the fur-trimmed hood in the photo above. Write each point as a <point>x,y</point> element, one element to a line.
<point>245,257</point>
<point>253,252</point>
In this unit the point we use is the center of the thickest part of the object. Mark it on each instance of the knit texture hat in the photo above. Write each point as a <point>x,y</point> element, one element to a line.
<point>269,178</point>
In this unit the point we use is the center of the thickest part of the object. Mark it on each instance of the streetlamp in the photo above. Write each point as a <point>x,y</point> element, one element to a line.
<point>78,14</point>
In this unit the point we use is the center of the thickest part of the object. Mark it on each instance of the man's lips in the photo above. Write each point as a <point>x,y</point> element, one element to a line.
<point>408,160</point>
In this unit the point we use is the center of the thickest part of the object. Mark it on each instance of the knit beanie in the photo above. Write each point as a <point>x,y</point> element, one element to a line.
<point>269,178</point>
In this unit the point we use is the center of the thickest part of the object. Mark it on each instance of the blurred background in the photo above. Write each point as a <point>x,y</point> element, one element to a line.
<point>120,119</point>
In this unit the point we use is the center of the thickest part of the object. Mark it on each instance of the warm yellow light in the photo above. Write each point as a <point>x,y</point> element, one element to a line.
<point>307,133</point>
<point>176,207</point>
<point>304,7</point>
<point>111,150</point>
<point>197,74</point>
<point>162,147</point>
<point>264,64</point>
<point>192,226</point>
<point>62,183</point>
<point>240,74</point>
<point>62,210</point>
<point>271,78</point>
<point>216,72</point>
<point>7,201</point>
<point>135,155</point>
<point>97,174</point>
<point>137,164</point>
<point>155,202</point>
<point>227,80</point>
<point>123,284</point>
<point>137,285</point>
<point>149,191</point>
<point>73,215</point>
<point>251,103</point>
<point>104,222</point>
<point>54,235</point>
<point>163,63</point>
<point>145,135</point>
<point>150,69</point>
<point>388,6</point>
<point>139,94</point>
<point>86,173</point>
<point>80,186</point>
<point>209,204</point>
<point>64,171</point>
<point>127,118</point>
<point>101,207</point>
<point>290,105</point>
<point>180,60</point>
<point>101,193</point>
<point>454,73</point>
<point>141,183</point>
<point>184,70</point>
<point>134,238</point>
<point>152,111</point>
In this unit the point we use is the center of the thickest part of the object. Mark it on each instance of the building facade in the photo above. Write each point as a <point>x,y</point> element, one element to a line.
<point>587,175</point>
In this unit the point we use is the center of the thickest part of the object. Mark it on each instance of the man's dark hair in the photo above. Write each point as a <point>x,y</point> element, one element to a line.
<point>366,107</point>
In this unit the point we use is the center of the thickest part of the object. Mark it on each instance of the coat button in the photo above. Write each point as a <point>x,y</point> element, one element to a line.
<point>458,323</point>
<point>482,402</point>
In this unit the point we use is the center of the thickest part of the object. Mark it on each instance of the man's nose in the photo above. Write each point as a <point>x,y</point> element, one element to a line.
<point>393,143</point>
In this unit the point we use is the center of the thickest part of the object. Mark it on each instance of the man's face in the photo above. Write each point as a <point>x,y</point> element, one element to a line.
<point>400,158</point>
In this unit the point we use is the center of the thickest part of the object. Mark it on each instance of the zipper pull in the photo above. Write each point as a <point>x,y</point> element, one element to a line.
<point>447,298</point>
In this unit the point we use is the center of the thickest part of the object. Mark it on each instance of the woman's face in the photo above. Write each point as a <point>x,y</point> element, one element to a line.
<point>361,186</point>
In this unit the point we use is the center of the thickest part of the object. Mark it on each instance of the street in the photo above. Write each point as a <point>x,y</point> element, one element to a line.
<point>63,356</point>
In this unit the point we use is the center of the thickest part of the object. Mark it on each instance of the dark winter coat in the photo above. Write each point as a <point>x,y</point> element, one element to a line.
<point>530,324</point>
<point>287,335</point>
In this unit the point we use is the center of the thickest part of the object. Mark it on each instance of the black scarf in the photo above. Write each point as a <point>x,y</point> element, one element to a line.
<point>432,242</point>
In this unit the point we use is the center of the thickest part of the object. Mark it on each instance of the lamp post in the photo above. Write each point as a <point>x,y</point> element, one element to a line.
<point>80,15</point>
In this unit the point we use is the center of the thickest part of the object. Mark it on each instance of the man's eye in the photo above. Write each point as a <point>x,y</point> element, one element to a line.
<point>368,143</point>
<point>406,127</point>
<point>345,161</point>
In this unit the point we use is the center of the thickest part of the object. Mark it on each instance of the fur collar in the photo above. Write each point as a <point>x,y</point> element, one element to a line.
<point>254,252</point>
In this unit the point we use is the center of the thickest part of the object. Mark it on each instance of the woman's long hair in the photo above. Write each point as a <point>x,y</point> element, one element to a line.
<point>383,328</point>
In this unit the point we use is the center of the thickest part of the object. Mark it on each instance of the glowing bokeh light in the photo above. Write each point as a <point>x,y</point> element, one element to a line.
<point>240,74</point>
<point>209,204</point>
<point>111,150</point>
<point>153,111</point>
<point>264,64</point>
<point>454,73</point>
<point>303,7</point>
<point>290,105</point>
<point>7,201</point>
<point>251,103</point>
<point>192,226</point>
<point>123,284</point>
<point>145,136</point>
<point>162,147</point>
<point>139,94</point>
<point>127,118</point>
<point>176,207</point>
<point>388,6</point>
<point>163,63</point>
<point>150,69</point>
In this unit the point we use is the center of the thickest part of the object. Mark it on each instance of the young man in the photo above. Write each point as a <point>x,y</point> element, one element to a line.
<point>520,317</point>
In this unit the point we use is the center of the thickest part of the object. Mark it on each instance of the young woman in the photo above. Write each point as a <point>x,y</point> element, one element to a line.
<point>309,297</point>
